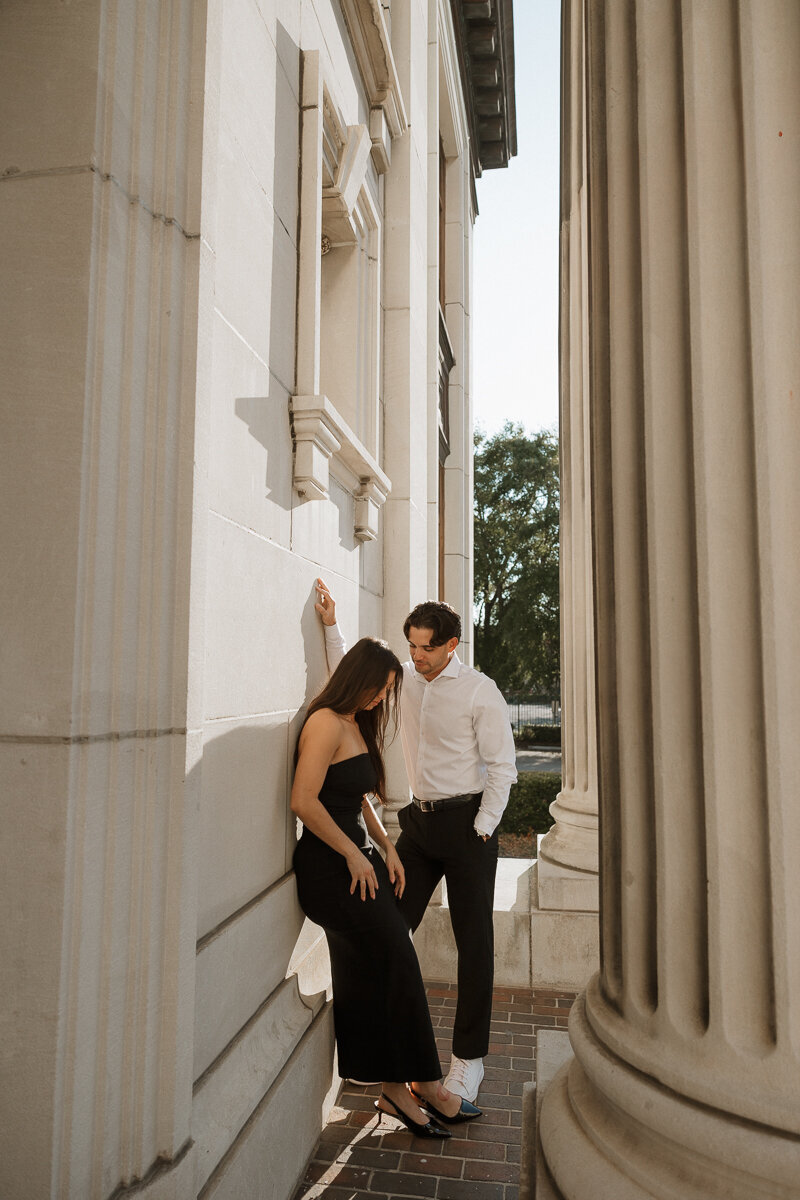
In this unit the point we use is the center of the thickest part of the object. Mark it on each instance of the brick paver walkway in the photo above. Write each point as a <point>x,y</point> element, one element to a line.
<point>357,1158</point>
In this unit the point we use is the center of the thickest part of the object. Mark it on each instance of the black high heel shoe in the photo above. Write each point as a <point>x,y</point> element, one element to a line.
<point>429,1130</point>
<point>467,1111</point>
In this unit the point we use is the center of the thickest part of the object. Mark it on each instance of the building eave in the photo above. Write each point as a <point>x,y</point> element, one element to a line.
<point>485,35</point>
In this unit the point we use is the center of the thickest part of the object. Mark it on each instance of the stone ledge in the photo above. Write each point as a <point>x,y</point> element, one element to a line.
<point>324,445</point>
<point>534,948</point>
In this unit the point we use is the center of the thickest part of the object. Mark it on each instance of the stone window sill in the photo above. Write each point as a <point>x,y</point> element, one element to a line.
<point>324,443</point>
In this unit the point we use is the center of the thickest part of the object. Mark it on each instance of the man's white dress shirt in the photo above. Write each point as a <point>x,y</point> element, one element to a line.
<point>455,732</point>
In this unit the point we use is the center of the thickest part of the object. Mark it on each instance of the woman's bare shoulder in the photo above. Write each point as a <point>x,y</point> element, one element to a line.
<point>323,725</point>
<point>324,718</point>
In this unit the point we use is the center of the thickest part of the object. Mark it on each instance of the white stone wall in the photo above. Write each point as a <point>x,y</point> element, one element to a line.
<point>163,324</point>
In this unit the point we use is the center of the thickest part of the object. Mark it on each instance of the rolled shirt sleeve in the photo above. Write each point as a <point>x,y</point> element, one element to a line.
<point>335,646</point>
<point>496,748</point>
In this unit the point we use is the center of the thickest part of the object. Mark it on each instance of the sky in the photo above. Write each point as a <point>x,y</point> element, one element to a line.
<point>515,272</point>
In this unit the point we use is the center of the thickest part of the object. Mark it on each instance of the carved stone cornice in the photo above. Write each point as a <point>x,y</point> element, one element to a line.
<point>485,36</point>
<point>373,51</point>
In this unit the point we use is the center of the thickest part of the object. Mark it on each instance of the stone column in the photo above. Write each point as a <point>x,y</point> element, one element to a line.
<point>686,1076</point>
<point>567,861</point>
<point>100,247</point>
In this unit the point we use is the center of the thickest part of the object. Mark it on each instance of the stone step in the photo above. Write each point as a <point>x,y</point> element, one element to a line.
<point>534,947</point>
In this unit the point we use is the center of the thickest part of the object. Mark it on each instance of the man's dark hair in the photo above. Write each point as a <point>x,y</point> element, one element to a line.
<point>437,616</point>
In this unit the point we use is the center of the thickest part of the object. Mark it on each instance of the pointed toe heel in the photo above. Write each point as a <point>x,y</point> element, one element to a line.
<point>429,1130</point>
<point>466,1112</point>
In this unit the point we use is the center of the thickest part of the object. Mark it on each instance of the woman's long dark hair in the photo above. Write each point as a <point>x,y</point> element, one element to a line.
<point>359,677</point>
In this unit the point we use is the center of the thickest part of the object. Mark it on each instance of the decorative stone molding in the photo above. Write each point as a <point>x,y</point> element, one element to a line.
<point>369,501</point>
<point>381,137</point>
<point>340,199</point>
<point>373,51</point>
<point>324,442</point>
<point>340,252</point>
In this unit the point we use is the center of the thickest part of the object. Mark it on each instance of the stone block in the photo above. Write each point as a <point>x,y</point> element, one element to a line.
<point>460,455</point>
<point>247,89</point>
<point>562,888</point>
<point>260,657</point>
<point>370,618</point>
<point>244,812</point>
<point>456,255</point>
<point>45,128</point>
<point>250,441</point>
<point>404,531</point>
<point>286,35</point>
<point>323,531</point>
<point>406,436</point>
<point>533,948</point>
<point>43,312</point>
<point>457,503</point>
<point>33,811</point>
<point>287,136</point>
<point>243,240</point>
<point>553,1051</point>
<point>565,950</point>
<point>239,966</point>
<point>435,944</point>
<point>283,310</point>
<point>103,829</point>
<point>269,1156</point>
<point>456,590</point>
<point>232,1089</point>
<point>371,579</point>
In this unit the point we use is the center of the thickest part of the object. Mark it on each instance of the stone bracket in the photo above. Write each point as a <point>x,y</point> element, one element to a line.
<point>339,201</point>
<point>321,435</point>
<point>381,138</point>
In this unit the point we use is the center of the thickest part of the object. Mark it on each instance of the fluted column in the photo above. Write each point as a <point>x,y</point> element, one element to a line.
<point>568,858</point>
<point>99,317</point>
<point>686,1076</point>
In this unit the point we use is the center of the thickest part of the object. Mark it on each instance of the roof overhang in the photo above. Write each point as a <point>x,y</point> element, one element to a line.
<point>485,34</point>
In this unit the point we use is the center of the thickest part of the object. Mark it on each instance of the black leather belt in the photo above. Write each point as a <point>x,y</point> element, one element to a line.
<point>445,802</point>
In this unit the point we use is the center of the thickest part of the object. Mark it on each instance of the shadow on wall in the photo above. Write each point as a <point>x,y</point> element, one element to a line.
<point>267,417</point>
<point>309,960</point>
<point>247,832</point>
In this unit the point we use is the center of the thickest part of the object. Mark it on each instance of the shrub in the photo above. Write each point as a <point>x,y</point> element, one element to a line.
<point>527,810</point>
<point>538,735</point>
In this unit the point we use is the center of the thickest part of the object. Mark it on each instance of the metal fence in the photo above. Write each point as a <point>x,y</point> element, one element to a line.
<point>534,710</point>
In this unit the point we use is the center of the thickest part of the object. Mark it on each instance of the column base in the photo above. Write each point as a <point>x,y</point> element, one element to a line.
<point>565,889</point>
<point>610,1132</point>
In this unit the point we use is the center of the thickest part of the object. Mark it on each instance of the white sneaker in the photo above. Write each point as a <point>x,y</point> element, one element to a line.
<point>464,1077</point>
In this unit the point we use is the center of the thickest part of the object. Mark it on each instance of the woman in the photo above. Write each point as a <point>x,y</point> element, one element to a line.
<point>380,1012</point>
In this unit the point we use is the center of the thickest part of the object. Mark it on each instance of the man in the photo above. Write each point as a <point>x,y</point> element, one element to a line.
<point>460,759</point>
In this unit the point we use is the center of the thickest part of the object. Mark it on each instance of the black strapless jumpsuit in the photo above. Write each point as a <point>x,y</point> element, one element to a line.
<point>380,1011</point>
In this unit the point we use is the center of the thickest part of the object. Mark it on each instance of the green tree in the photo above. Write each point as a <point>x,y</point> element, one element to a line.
<point>516,559</point>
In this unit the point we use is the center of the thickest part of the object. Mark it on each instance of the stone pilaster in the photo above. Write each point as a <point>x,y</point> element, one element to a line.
<point>686,1076</point>
<point>568,862</point>
<point>407,438</point>
<point>99,317</point>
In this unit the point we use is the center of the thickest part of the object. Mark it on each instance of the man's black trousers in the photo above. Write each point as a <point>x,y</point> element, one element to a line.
<point>444,843</point>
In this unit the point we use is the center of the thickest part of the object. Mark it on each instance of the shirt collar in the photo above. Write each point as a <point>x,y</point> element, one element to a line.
<point>453,669</point>
<point>454,666</point>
